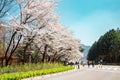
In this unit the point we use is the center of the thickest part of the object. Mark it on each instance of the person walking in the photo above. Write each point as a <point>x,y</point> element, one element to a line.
<point>78,65</point>
<point>88,64</point>
<point>93,63</point>
<point>101,63</point>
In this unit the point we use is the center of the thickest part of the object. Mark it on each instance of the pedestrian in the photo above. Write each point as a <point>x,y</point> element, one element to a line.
<point>83,64</point>
<point>78,65</point>
<point>93,63</point>
<point>88,64</point>
<point>98,64</point>
<point>101,62</point>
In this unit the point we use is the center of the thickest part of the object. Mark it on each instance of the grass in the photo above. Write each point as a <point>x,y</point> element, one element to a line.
<point>29,67</point>
<point>21,75</point>
<point>31,70</point>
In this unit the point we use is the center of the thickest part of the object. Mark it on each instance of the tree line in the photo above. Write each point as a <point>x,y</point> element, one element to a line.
<point>106,48</point>
<point>34,33</point>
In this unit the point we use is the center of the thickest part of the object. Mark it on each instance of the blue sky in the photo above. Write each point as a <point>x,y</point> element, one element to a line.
<point>89,19</point>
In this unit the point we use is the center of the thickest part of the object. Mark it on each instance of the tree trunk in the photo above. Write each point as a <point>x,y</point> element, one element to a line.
<point>7,59</point>
<point>6,62</point>
<point>6,52</point>
<point>24,52</point>
<point>44,54</point>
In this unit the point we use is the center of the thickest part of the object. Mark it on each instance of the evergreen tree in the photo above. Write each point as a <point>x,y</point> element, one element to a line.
<point>107,47</point>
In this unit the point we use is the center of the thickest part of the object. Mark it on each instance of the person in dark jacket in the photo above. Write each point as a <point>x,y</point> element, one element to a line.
<point>93,63</point>
<point>88,64</point>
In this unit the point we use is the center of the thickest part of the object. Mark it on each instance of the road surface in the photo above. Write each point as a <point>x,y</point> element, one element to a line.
<point>85,73</point>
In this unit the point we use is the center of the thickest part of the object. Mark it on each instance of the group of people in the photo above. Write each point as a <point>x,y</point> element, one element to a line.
<point>100,63</point>
<point>90,63</point>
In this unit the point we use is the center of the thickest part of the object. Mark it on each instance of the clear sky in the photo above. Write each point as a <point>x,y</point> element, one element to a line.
<point>89,19</point>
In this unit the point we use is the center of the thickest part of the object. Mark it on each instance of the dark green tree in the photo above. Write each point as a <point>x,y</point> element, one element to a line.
<point>107,47</point>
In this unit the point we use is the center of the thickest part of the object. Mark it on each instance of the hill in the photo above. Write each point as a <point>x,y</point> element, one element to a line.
<point>86,49</point>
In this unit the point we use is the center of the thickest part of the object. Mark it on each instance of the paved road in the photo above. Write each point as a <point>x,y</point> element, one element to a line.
<point>85,73</point>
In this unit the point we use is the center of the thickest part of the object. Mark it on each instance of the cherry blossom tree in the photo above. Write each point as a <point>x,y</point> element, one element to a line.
<point>33,16</point>
<point>57,44</point>
<point>37,24</point>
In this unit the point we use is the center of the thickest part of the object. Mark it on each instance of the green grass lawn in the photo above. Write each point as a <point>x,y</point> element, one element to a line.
<point>29,67</point>
<point>30,70</point>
